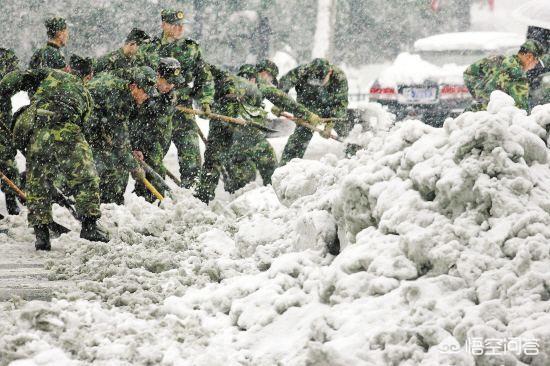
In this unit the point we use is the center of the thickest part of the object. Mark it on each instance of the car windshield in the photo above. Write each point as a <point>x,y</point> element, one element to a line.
<point>461,57</point>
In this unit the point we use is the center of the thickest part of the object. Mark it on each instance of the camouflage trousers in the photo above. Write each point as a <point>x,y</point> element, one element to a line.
<point>298,142</point>
<point>186,140</point>
<point>220,138</point>
<point>112,178</point>
<point>250,152</point>
<point>60,150</point>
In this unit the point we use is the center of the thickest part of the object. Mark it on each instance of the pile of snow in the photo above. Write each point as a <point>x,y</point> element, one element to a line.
<point>412,69</point>
<point>471,41</point>
<point>445,241</point>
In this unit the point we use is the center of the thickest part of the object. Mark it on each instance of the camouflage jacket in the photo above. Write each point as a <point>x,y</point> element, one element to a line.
<point>50,56</point>
<point>152,128</point>
<point>330,100</point>
<point>58,92</point>
<point>117,60</point>
<point>107,129</point>
<point>53,90</point>
<point>198,79</point>
<point>498,73</point>
<point>7,65</point>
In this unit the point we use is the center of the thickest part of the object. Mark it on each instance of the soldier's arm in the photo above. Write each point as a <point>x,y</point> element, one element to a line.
<point>148,56</point>
<point>290,80</point>
<point>15,82</point>
<point>36,60</point>
<point>283,101</point>
<point>102,64</point>
<point>519,90</point>
<point>203,85</point>
<point>512,80</point>
<point>339,94</point>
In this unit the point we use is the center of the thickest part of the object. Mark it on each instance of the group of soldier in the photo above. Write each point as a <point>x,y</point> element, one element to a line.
<point>91,122</point>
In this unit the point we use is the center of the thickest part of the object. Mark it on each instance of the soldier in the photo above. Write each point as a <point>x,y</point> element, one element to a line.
<point>117,101</point>
<point>126,56</point>
<point>241,96</point>
<point>323,89</point>
<point>505,73</point>
<point>8,63</point>
<point>152,131</point>
<point>198,84</point>
<point>51,55</point>
<point>55,148</point>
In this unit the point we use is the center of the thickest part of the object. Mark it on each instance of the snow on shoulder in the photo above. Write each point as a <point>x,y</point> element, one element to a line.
<point>471,41</point>
<point>445,245</point>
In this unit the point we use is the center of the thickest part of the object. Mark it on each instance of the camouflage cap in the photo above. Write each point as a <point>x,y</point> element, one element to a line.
<point>247,71</point>
<point>269,66</point>
<point>55,24</point>
<point>170,69</point>
<point>138,36</point>
<point>532,46</point>
<point>320,66</point>
<point>173,16</point>
<point>81,66</point>
<point>144,77</point>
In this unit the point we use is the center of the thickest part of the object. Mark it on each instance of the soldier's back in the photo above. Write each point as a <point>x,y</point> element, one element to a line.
<point>49,56</point>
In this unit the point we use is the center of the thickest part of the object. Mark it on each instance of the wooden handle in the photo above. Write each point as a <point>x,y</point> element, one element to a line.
<point>12,185</point>
<point>152,189</point>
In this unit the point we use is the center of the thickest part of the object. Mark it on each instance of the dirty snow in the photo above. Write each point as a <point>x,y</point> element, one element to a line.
<point>444,233</point>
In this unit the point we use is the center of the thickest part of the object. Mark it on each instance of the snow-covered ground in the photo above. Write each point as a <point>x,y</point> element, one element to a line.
<point>445,250</point>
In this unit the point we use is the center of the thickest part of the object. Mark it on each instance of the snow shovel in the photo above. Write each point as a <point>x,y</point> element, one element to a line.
<point>302,122</point>
<point>56,228</point>
<point>219,117</point>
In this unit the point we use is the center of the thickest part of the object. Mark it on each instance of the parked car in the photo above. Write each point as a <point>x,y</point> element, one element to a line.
<point>428,83</point>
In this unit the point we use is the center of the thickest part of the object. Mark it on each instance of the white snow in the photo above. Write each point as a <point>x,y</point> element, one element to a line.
<point>445,239</point>
<point>534,12</point>
<point>472,41</point>
<point>412,69</point>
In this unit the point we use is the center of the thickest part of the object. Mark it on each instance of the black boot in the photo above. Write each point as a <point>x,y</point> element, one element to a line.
<point>57,229</point>
<point>11,205</point>
<point>90,231</point>
<point>42,237</point>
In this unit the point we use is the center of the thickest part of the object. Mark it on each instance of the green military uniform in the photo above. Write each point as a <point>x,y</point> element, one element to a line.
<point>117,59</point>
<point>496,73</point>
<point>107,133</point>
<point>151,133</point>
<point>503,73</point>
<point>56,145</point>
<point>51,55</point>
<point>241,150</point>
<point>198,84</point>
<point>328,98</point>
<point>8,63</point>
<point>220,135</point>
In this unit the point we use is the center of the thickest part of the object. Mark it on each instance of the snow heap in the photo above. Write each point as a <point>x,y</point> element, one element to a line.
<point>445,237</point>
<point>410,69</point>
